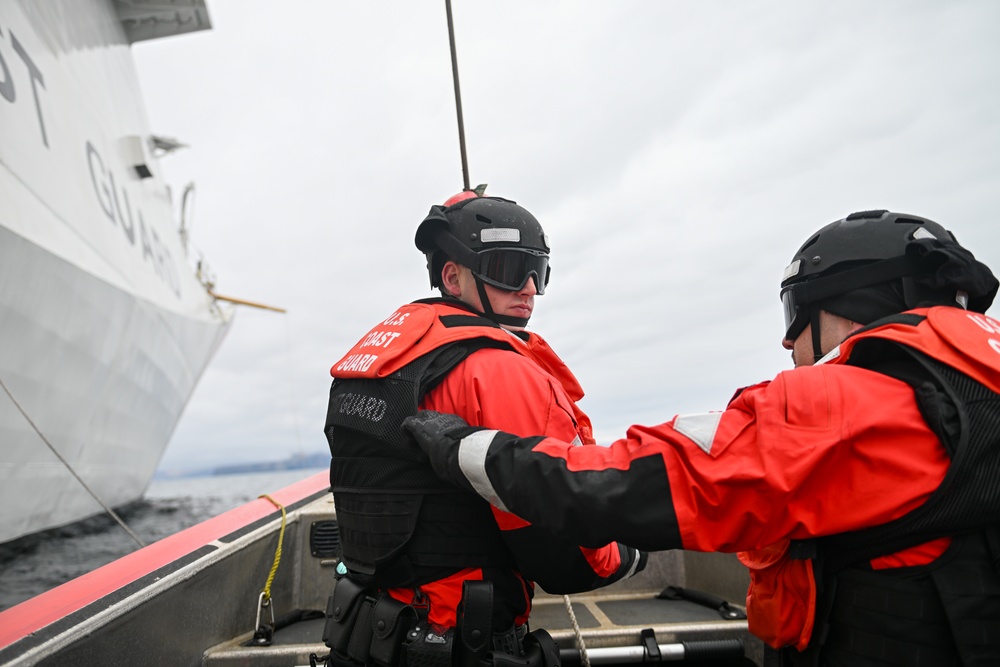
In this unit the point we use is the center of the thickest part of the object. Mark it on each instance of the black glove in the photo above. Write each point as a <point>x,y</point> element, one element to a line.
<point>439,435</point>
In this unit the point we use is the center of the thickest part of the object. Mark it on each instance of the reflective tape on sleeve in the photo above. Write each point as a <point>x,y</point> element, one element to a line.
<point>635,562</point>
<point>472,461</point>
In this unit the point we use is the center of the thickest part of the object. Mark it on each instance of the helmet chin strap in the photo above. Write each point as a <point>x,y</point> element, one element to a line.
<point>814,322</point>
<point>488,308</point>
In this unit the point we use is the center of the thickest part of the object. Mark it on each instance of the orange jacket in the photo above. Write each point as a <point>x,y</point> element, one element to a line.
<point>522,387</point>
<point>820,450</point>
<point>782,595</point>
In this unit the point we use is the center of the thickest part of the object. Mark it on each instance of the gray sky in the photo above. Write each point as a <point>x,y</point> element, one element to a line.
<point>677,153</point>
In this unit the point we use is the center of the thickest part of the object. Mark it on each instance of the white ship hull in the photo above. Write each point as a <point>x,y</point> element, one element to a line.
<point>105,327</point>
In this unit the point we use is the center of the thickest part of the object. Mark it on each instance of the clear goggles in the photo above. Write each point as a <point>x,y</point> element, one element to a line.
<point>509,268</point>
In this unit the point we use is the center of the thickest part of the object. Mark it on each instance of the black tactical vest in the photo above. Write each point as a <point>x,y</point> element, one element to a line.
<point>400,524</point>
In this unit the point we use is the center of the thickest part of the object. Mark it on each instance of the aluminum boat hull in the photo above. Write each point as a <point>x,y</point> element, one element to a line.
<point>193,599</point>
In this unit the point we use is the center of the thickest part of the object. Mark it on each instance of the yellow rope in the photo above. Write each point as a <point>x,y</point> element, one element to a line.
<point>277,553</point>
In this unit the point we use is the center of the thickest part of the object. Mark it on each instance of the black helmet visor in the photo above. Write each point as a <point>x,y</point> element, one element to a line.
<point>796,317</point>
<point>797,297</point>
<point>509,268</point>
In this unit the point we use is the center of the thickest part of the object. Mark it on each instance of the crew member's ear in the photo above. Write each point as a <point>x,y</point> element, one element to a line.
<point>449,278</point>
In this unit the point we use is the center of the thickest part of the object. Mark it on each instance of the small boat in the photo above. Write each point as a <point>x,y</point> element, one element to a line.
<point>250,587</point>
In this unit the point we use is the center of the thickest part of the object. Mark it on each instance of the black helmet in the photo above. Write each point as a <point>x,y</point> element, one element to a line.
<point>500,242</point>
<point>876,263</point>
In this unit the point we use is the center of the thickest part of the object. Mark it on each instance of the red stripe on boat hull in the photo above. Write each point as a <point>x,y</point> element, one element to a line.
<point>38,612</point>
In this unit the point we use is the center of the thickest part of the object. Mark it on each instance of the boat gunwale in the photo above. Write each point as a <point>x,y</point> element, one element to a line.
<point>28,626</point>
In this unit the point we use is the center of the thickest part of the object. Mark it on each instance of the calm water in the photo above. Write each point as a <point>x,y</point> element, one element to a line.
<point>170,505</point>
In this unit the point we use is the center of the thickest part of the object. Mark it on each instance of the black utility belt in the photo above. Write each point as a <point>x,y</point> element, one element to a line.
<point>375,630</point>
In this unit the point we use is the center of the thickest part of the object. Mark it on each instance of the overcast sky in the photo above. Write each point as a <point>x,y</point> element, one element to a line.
<point>677,153</point>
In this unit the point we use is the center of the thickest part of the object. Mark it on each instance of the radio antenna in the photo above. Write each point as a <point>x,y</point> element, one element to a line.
<point>458,97</point>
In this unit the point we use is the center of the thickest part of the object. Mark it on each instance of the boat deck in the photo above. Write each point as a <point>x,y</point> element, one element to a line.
<point>192,599</point>
<point>611,621</point>
<point>614,621</point>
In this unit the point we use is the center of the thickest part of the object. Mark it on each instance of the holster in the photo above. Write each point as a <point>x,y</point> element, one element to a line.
<point>475,623</point>
<point>540,650</point>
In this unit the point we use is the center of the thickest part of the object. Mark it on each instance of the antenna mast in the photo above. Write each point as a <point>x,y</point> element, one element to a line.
<point>458,97</point>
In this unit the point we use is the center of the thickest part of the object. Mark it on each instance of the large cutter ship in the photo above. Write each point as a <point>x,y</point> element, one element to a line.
<point>106,323</point>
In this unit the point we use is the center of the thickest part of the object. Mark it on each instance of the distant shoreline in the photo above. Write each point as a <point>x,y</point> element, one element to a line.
<point>295,462</point>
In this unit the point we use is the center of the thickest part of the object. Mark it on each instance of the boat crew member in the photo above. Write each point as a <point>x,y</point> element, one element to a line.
<point>861,488</point>
<point>407,534</point>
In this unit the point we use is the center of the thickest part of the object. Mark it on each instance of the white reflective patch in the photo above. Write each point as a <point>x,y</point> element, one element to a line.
<point>830,356</point>
<point>792,270</point>
<point>700,428</point>
<point>577,442</point>
<point>501,235</point>
<point>635,563</point>
<point>923,233</point>
<point>472,461</point>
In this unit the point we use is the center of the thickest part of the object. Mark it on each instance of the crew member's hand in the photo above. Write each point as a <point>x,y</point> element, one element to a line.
<point>439,435</point>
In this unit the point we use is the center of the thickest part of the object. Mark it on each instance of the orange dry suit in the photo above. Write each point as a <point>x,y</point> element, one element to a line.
<point>923,589</point>
<point>402,528</point>
<point>875,473</point>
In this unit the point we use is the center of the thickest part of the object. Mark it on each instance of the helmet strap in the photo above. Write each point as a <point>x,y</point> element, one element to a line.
<point>814,322</point>
<point>460,254</point>
<point>488,308</point>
